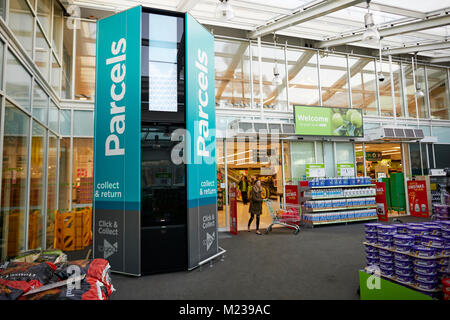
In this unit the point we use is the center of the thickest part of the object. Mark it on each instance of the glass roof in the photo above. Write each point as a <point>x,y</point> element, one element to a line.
<point>250,14</point>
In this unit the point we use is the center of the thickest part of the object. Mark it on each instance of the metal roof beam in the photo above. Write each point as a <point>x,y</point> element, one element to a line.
<point>321,9</point>
<point>440,59</point>
<point>418,48</point>
<point>393,10</point>
<point>432,22</point>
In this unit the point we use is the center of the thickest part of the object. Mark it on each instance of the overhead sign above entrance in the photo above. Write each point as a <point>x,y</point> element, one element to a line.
<point>324,121</point>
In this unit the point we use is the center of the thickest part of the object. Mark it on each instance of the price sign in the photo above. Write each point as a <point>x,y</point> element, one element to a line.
<point>437,172</point>
<point>346,170</point>
<point>316,170</point>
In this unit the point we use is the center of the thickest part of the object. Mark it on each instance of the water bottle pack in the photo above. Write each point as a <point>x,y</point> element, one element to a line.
<point>340,216</point>
<point>340,203</point>
<point>360,192</point>
<point>337,192</point>
<point>338,181</point>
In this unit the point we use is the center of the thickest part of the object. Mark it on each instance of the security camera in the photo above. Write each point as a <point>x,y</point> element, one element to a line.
<point>380,77</point>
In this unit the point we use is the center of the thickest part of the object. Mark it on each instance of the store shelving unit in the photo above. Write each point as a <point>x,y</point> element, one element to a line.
<point>393,278</point>
<point>339,208</point>
<point>305,210</point>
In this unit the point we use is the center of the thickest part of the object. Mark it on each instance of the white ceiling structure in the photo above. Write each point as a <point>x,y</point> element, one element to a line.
<point>406,26</point>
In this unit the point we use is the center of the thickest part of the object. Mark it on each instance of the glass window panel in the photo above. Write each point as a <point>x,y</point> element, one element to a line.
<point>333,81</point>
<point>44,11</point>
<point>64,175</point>
<point>426,130</point>
<point>1,65</point>
<point>410,92</point>
<point>51,188</point>
<point>221,211</point>
<point>21,23</point>
<point>443,155</point>
<point>442,133</point>
<point>41,53</point>
<point>83,123</point>
<point>64,122</point>
<point>329,159</point>
<point>363,84</point>
<point>319,152</point>
<point>85,61</point>
<point>438,93</point>
<point>303,78</point>
<point>232,72</point>
<point>430,155</point>
<point>66,85</point>
<point>53,119</point>
<point>18,82</point>
<point>255,71</point>
<point>2,8</point>
<point>37,191</point>
<point>345,152</point>
<point>398,89</point>
<point>83,155</point>
<point>57,29</point>
<point>385,91</point>
<point>56,75</point>
<point>40,103</point>
<point>274,96</point>
<point>414,151</point>
<point>302,153</point>
<point>14,181</point>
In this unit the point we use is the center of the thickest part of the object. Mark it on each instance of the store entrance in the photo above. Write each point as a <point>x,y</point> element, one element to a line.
<point>240,162</point>
<point>382,159</point>
<point>384,162</point>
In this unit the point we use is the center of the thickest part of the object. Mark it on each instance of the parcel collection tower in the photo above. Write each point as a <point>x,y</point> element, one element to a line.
<point>155,201</point>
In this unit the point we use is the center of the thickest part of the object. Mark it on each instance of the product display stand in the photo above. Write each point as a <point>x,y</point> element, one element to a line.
<point>393,278</point>
<point>336,214</point>
<point>386,289</point>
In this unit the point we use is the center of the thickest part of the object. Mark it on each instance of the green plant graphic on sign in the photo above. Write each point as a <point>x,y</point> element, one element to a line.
<point>347,122</point>
<point>325,121</point>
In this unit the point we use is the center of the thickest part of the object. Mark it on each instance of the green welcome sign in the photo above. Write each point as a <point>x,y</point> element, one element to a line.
<point>324,121</point>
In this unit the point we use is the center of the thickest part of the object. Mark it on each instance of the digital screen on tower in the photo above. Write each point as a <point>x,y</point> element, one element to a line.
<point>326,121</point>
<point>163,63</point>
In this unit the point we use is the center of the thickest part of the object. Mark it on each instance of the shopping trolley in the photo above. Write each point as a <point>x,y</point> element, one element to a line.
<point>287,218</point>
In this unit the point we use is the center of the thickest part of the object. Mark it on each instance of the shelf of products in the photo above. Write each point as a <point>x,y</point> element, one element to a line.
<point>309,210</point>
<point>341,203</point>
<point>341,221</point>
<point>302,188</point>
<point>339,197</point>
<point>415,255</point>
<point>395,279</point>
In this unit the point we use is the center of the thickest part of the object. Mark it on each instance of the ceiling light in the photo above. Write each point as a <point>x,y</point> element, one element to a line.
<point>419,93</point>
<point>371,35</point>
<point>276,81</point>
<point>224,10</point>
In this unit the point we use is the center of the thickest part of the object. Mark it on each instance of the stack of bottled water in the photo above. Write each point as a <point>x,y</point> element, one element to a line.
<point>339,181</point>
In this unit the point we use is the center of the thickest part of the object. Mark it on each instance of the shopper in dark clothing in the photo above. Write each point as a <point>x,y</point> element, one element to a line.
<point>255,205</point>
<point>243,186</point>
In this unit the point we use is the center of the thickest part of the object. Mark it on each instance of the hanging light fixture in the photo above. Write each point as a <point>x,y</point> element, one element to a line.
<point>380,74</point>
<point>371,35</point>
<point>276,81</point>
<point>419,93</point>
<point>224,10</point>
